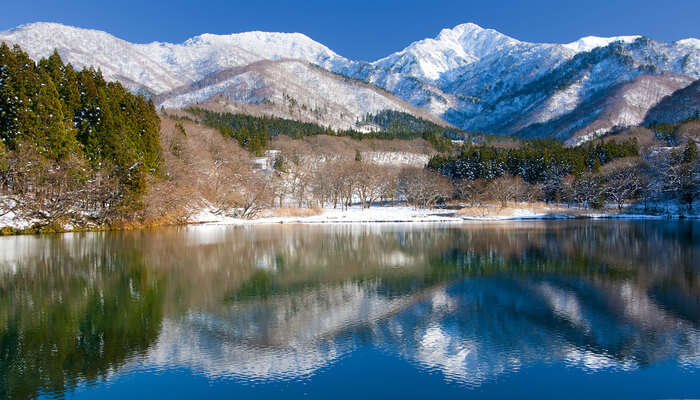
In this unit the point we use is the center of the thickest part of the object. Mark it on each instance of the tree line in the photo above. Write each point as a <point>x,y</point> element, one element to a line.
<point>591,175</point>
<point>254,133</point>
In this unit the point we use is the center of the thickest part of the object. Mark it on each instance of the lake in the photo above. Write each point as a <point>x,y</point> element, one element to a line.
<point>556,309</point>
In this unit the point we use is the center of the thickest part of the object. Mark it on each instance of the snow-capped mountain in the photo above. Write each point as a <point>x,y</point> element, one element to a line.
<point>524,99</point>
<point>161,67</point>
<point>118,59</point>
<point>475,78</point>
<point>481,80</point>
<point>206,54</point>
<point>291,89</point>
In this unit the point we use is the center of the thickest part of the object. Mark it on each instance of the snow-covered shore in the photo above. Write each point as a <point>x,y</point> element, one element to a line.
<point>402,214</point>
<point>351,215</point>
<point>394,214</point>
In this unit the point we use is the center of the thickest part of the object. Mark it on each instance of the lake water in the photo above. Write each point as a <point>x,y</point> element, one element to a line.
<point>560,309</point>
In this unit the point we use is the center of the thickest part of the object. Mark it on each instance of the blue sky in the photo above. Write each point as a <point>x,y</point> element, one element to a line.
<point>365,29</point>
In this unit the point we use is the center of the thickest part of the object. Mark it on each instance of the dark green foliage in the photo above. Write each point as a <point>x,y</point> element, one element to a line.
<point>666,132</point>
<point>439,141</point>
<point>398,122</point>
<point>687,177</point>
<point>279,163</point>
<point>72,329</point>
<point>254,133</point>
<point>406,126</point>
<point>537,161</point>
<point>62,113</point>
<point>3,157</point>
<point>690,154</point>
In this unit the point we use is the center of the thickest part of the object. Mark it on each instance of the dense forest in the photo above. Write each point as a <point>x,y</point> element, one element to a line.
<point>254,133</point>
<point>591,175</point>
<point>536,161</point>
<point>72,141</point>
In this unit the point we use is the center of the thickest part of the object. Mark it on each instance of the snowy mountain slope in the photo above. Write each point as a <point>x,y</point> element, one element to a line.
<point>428,73</point>
<point>453,48</point>
<point>165,66</point>
<point>292,89</point>
<point>506,97</point>
<point>84,48</point>
<point>589,43</point>
<point>622,105</point>
<point>689,43</point>
<point>477,79</point>
<point>679,106</point>
<point>481,80</point>
<point>206,54</point>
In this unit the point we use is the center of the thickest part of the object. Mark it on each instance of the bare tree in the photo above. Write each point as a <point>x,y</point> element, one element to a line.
<point>389,183</point>
<point>472,192</point>
<point>43,191</point>
<point>506,189</point>
<point>280,188</point>
<point>255,195</point>
<point>672,178</point>
<point>622,181</point>
<point>370,182</point>
<point>585,190</point>
<point>422,187</point>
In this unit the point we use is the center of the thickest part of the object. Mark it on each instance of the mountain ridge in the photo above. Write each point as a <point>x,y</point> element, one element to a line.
<point>472,77</point>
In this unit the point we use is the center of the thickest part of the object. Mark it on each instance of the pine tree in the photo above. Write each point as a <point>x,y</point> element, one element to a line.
<point>3,157</point>
<point>53,139</point>
<point>690,154</point>
<point>61,117</point>
<point>9,102</point>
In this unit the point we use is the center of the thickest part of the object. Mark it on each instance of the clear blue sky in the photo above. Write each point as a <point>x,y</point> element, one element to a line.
<point>365,29</point>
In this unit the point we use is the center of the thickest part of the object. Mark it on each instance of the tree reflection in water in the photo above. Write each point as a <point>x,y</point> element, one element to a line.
<point>272,303</point>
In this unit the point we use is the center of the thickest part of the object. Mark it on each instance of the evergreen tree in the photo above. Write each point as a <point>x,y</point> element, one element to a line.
<point>690,154</point>
<point>52,137</point>
<point>62,115</point>
<point>3,157</point>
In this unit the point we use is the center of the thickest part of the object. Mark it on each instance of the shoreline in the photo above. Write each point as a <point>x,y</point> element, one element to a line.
<point>407,215</point>
<point>356,215</point>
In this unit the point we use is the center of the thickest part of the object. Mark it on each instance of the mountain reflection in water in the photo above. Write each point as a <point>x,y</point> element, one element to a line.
<point>268,304</point>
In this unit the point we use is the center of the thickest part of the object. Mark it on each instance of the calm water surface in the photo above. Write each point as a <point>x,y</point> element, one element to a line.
<point>569,309</point>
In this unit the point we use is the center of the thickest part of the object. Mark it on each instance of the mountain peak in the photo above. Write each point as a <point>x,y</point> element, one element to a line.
<point>258,36</point>
<point>461,29</point>
<point>690,42</point>
<point>450,49</point>
<point>40,25</point>
<point>51,29</point>
<point>472,36</point>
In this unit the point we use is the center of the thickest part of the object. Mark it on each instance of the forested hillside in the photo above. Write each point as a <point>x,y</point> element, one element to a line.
<point>72,142</point>
<point>535,162</point>
<point>254,133</point>
<point>613,171</point>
